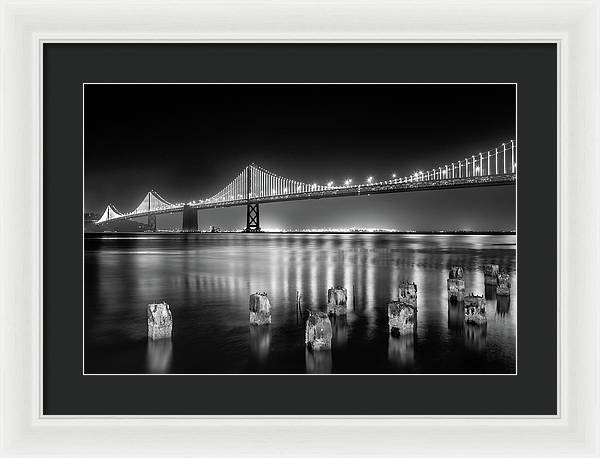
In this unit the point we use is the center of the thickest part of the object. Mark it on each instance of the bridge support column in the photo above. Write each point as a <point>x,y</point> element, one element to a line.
<point>152,223</point>
<point>190,219</point>
<point>252,218</point>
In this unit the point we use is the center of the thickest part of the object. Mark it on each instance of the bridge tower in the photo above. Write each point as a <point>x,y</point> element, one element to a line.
<point>190,219</point>
<point>152,223</point>
<point>252,213</point>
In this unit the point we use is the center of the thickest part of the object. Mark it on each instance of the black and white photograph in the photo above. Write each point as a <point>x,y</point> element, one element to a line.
<point>310,229</point>
<point>300,228</point>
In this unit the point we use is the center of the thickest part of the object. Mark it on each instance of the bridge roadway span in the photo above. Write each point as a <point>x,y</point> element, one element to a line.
<point>341,191</point>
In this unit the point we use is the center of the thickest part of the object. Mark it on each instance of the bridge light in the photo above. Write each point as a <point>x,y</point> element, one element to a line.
<point>393,175</point>
<point>369,180</point>
<point>330,184</point>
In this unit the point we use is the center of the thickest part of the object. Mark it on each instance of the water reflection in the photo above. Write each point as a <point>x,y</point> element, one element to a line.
<point>339,326</point>
<point>456,316</point>
<point>475,338</point>
<point>158,356</point>
<point>318,362</point>
<point>503,305</point>
<point>259,343</point>
<point>208,278</point>
<point>401,350</point>
<point>490,292</point>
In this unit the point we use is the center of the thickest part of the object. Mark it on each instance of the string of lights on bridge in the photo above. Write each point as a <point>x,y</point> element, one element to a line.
<point>255,182</point>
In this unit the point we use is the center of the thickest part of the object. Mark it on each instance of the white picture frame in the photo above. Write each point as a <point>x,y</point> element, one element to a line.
<point>27,25</point>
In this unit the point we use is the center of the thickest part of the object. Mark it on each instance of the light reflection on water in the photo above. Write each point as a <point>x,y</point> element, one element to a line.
<point>207,278</point>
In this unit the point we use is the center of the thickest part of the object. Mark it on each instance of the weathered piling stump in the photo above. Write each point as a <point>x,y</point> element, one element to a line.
<point>402,317</point>
<point>503,288</point>
<point>456,284</point>
<point>490,274</point>
<point>318,332</point>
<point>160,321</point>
<point>475,310</point>
<point>337,300</point>
<point>456,272</point>
<point>407,291</point>
<point>260,309</point>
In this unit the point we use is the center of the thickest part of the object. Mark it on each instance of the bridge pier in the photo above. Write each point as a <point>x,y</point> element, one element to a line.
<point>152,223</point>
<point>190,219</point>
<point>252,218</point>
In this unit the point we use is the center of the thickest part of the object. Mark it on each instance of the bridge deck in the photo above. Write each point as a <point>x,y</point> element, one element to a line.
<point>345,191</point>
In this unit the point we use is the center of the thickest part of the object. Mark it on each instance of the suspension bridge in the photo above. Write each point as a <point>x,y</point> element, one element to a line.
<point>255,185</point>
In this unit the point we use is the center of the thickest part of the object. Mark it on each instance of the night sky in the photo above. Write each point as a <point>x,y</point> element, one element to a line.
<point>188,141</point>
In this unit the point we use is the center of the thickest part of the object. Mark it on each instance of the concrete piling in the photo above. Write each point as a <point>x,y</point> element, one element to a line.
<point>337,300</point>
<point>475,310</point>
<point>490,274</point>
<point>456,284</point>
<point>260,309</point>
<point>402,317</point>
<point>299,315</point>
<point>456,272</point>
<point>318,332</point>
<point>160,320</point>
<point>503,288</point>
<point>407,291</point>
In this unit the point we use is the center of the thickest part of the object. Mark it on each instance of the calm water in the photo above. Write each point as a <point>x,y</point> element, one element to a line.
<point>207,278</point>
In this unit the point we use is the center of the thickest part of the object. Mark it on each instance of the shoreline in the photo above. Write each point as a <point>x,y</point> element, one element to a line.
<point>309,232</point>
